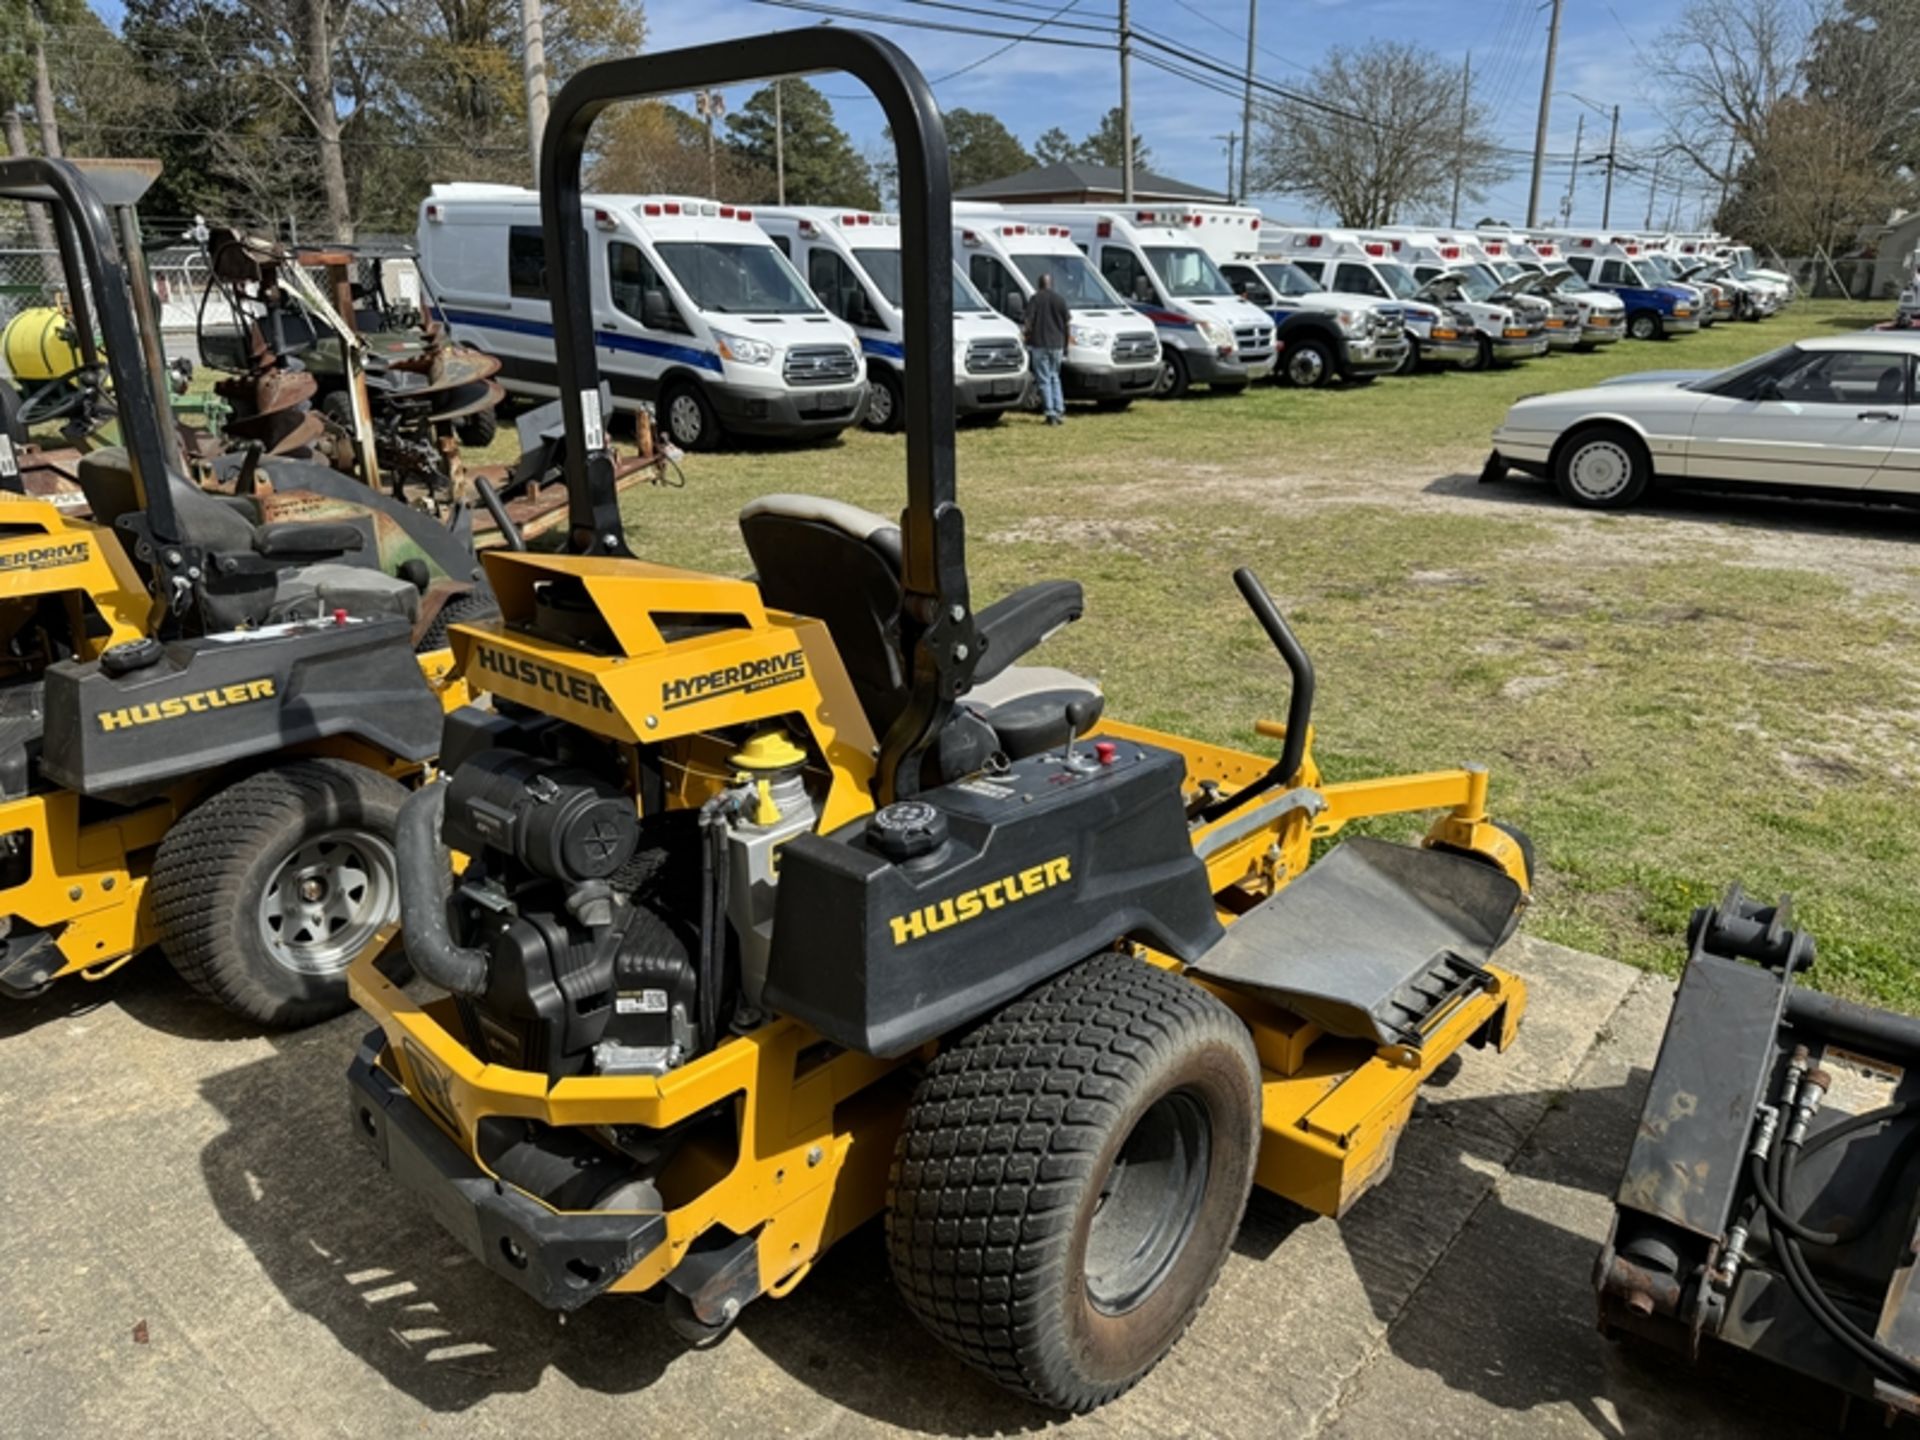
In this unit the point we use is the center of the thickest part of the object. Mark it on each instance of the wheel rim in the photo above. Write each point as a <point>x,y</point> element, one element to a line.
<point>1642,327</point>
<point>684,416</point>
<point>1306,367</point>
<point>1600,469</point>
<point>1169,376</point>
<point>327,899</point>
<point>1149,1203</point>
<point>880,406</point>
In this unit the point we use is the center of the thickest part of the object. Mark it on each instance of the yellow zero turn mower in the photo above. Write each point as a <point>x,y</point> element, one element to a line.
<point>798,900</point>
<point>207,723</point>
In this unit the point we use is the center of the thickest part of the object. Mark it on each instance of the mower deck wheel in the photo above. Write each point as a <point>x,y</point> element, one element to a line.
<point>265,891</point>
<point>1071,1176</point>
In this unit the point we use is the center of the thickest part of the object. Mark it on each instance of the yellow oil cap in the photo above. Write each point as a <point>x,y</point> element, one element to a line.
<point>768,750</point>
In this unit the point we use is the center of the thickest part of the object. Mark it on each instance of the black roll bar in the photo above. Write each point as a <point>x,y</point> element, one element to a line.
<point>941,644</point>
<point>90,253</point>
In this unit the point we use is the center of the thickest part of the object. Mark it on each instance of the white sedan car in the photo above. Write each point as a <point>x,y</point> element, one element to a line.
<point>1831,416</point>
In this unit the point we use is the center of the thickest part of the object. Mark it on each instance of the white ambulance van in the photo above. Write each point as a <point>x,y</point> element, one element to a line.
<point>696,311</point>
<point>1354,272</point>
<point>1153,259</point>
<point>1113,354</point>
<point>1449,276</point>
<point>851,259</point>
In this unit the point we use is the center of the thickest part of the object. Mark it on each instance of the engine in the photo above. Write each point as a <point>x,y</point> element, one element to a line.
<point>584,937</point>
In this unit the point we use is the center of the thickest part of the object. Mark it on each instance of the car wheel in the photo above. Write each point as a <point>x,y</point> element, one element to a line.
<point>1605,467</point>
<point>886,405</point>
<point>1644,325</point>
<point>1309,364</point>
<point>1410,362</point>
<point>478,430</point>
<point>1482,356</point>
<point>1173,380</point>
<point>691,423</point>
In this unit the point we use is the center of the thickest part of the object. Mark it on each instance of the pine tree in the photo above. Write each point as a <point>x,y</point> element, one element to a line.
<point>822,165</point>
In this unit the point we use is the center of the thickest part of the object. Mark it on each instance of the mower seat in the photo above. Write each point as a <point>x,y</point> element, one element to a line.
<point>841,565</point>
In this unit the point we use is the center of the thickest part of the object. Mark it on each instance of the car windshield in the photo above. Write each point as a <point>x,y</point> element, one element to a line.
<point>1660,267</point>
<point>883,268</point>
<point>1287,278</point>
<point>1571,284</point>
<point>1397,278</point>
<point>1477,281</point>
<point>1510,270</point>
<point>735,279</point>
<point>1731,377</point>
<point>965,297</point>
<point>1187,272</point>
<point>1077,281</point>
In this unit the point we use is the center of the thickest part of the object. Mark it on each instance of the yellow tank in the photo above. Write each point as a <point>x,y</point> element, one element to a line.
<point>37,345</point>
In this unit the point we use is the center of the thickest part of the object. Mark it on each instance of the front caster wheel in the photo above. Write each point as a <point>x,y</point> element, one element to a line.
<point>1071,1176</point>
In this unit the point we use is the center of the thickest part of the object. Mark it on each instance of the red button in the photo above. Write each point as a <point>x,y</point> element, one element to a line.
<point>339,617</point>
<point>1104,751</point>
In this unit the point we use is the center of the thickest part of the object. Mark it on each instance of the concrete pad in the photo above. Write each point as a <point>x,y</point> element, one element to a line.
<point>166,1166</point>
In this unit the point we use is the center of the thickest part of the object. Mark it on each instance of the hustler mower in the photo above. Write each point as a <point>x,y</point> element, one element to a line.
<point>797,900</point>
<point>1771,1200</point>
<point>210,708</point>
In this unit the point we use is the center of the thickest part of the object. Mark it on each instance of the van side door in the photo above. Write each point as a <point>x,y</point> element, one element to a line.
<point>997,286</point>
<point>638,334</point>
<point>1122,269</point>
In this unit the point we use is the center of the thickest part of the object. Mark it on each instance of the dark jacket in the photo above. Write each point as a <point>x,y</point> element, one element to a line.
<point>1046,322</point>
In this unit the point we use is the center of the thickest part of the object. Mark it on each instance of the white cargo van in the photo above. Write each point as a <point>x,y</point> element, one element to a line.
<point>851,258</point>
<point>696,311</point>
<point>1361,277</point>
<point>1208,335</point>
<point>1113,354</point>
<point>1594,316</point>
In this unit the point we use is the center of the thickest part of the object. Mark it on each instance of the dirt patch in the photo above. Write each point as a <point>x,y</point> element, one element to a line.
<point>1525,687</point>
<point>1106,533</point>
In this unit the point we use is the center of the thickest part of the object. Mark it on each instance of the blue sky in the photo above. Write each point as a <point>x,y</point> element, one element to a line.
<point>1033,86</point>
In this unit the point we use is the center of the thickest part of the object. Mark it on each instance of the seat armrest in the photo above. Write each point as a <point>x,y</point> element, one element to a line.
<point>1010,627</point>
<point>297,539</point>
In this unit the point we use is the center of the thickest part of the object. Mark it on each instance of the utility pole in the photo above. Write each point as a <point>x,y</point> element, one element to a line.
<point>1546,111</point>
<point>779,147</point>
<point>1573,175</point>
<point>710,105</point>
<point>1459,159</point>
<point>1613,155</point>
<point>1231,139</point>
<point>1246,110</point>
<point>1126,105</point>
<point>1653,189</point>
<point>534,56</point>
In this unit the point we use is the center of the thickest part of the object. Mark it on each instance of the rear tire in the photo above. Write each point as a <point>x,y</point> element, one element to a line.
<point>689,417</point>
<point>1071,1176</point>
<point>265,891</point>
<point>478,429</point>
<point>468,606</point>
<point>1603,467</point>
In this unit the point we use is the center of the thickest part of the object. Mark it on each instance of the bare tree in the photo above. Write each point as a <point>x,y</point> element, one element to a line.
<point>1385,137</point>
<point>1722,69</point>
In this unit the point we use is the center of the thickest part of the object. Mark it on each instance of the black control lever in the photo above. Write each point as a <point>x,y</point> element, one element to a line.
<point>1299,702</point>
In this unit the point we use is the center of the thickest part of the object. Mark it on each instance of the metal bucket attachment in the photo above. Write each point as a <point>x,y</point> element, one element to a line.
<point>1376,941</point>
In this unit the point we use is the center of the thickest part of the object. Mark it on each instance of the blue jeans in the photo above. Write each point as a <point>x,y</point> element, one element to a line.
<point>1046,370</point>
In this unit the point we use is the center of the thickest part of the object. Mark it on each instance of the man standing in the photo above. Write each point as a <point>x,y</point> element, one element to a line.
<point>1046,335</point>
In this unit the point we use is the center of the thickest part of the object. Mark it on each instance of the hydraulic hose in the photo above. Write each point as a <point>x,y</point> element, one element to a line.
<point>426,884</point>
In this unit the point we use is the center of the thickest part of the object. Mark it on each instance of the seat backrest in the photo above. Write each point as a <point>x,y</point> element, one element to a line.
<point>840,565</point>
<point>210,521</point>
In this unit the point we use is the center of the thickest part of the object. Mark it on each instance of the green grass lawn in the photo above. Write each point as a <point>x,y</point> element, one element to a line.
<point>1700,691</point>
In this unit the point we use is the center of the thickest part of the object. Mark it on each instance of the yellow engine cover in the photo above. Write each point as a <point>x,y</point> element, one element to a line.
<point>39,344</point>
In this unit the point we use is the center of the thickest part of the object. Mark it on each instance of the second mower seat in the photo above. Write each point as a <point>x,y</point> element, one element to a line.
<point>840,564</point>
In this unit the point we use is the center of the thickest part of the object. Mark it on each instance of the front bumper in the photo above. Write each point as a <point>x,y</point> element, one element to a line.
<point>1511,347</point>
<point>1596,333</point>
<point>1207,366</point>
<point>981,394</point>
<point>826,411</point>
<point>1527,450</point>
<point>1374,355</point>
<point>1080,382</point>
<point>562,1259</point>
<point>1680,324</point>
<point>1563,334</point>
<point>1463,349</point>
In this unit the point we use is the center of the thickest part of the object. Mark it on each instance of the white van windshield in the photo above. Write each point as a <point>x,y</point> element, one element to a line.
<point>966,299</point>
<point>1397,278</point>
<point>1510,270</point>
<point>1077,281</point>
<point>883,268</point>
<point>1477,282</point>
<point>1187,272</point>
<point>737,279</point>
<point>1288,279</point>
